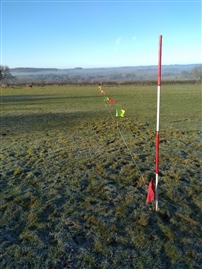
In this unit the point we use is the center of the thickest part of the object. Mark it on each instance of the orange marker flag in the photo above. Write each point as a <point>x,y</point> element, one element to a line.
<point>151,192</point>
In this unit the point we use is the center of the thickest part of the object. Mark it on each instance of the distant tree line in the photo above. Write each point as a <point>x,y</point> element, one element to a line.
<point>109,83</point>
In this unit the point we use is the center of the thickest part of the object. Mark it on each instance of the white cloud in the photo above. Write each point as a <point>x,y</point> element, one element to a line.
<point>118,40</point>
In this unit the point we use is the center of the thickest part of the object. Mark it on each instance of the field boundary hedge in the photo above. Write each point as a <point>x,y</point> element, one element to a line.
<point>116,83</point>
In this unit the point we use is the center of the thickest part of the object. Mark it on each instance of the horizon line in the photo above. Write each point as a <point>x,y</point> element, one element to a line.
<point>79,67</point>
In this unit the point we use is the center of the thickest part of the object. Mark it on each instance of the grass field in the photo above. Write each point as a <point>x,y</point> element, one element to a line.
<point>74,178</point>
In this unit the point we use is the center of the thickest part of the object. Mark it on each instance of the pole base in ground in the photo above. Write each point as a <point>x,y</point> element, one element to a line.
<point>157,207</point>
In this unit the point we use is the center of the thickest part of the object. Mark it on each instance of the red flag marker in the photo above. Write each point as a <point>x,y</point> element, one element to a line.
<point>151,192</point>
<point>111,100</point>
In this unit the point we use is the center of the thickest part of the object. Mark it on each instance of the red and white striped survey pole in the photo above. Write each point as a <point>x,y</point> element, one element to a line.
<point>158,118</point>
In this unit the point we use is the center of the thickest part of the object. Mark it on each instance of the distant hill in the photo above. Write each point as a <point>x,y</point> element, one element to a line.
<point>31,69</point>
<point>113,74</point>
<point>146,67</point>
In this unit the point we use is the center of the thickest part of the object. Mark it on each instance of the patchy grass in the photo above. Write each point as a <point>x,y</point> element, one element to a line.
<point>72,195</point>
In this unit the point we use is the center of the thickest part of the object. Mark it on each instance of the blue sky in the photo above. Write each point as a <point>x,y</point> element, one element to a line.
<point>88,34</point>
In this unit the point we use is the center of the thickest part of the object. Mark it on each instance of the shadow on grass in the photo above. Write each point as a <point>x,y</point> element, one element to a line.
<point>42,97</point>
<point>47,121</point>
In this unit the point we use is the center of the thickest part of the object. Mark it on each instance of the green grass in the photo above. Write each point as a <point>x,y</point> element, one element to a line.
<point>71,194</point>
